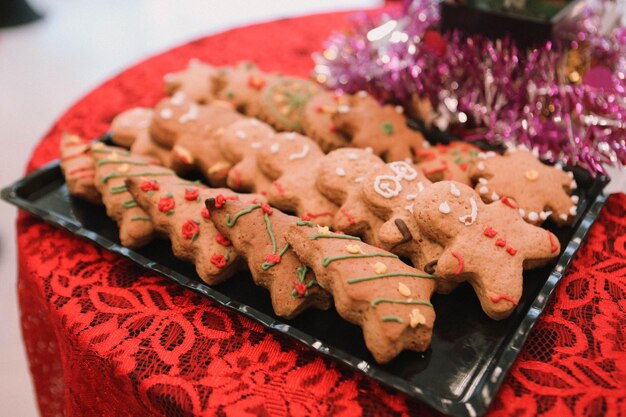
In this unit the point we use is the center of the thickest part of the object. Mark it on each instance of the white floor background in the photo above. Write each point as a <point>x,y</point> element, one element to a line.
<point>48,65</point>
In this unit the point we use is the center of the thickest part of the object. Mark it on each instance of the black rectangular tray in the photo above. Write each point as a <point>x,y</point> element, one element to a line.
<point>470,354</point>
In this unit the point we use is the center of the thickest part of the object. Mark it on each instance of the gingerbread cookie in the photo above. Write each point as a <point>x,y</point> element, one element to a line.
<point>536,190</point>
<point>487,245</point>
<point>340,177</point>
<point>113,166</point>
<point>257,231</point>
<point>448,162</point>
<point>197,82</point>
<point>243,86</point>
<point>382,128</point>
<point>371,288</point>
<point>78,167</point>
<point>177,210</point>
<point>127,125</point>
<point>144,145</point>
<point>283,102</point>
<point>240,143</point>
<point>292,161</point>
<point>317,121</point>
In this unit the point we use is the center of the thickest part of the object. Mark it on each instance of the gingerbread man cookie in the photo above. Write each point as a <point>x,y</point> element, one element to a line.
<point>488,245</point>
<point>177,210</point>
<point>197,82</point>
<point>257,231</point>
<point>520,180</point>
<point>240,143</point>
<point>317,121</point>
<point>113,166</point>
<point>448,162</point>
<point>383,128</point>
<point>127,125</point>
<point>371,288</point>
<point>340,177</point>
<point>292,162</point>
<point>78,166</point>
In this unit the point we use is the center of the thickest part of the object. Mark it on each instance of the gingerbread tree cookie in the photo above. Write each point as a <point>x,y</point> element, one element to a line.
<point>340,177</point>
<point>177,210</point>
<point>240,143</point>
<point>127,125</point>
<point>317,121</point>
<point>383,128</point>
<point>536,190</point>
<point>78,166</point>
<point>371,288</point>
<point>113,166</point>
<point>487,245</point>
<point>292,162</point>
<point>448,162</point>
<point>257,231</point>
<point>197,82</point>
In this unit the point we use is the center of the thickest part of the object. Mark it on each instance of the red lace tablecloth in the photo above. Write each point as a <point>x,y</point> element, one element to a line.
<point>105,337</point>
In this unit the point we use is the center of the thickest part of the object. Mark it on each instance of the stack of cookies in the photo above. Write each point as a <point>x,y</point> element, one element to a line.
<point>320,197</point>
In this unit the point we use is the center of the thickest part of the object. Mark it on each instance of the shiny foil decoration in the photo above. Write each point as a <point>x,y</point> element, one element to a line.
<point>566,99</point>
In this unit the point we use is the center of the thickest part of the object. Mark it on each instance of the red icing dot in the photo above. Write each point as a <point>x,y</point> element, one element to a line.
<point>190,229</point>
<point>463,166</point>
<point>191,194</point>
<point>205,213</point>
<point>222,240</point>
<point>219,201</point>
<point>319,109</point>
<point>509,202</point>
<point>166,204</point>
<point>256,82</point>
<point>149,186</point>
<point>266,208</point>
<point>501,243</point>
<point>511,251</point>
<point>300,288</point>
<point>272,258</point>
<point>490,232</point>
<point>218,260</point>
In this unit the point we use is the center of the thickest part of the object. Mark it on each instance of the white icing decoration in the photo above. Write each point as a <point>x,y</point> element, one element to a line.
<point>256,145</point>
<point>573,210</point>
<point>352,156</point>
<point>483,181</point>
<point>536,152</point>
<point>178,98</point>
<point>575,199</point>
<point>275,148</point>
<point>563,217</point>
<point>387,186</point>
<point>444,207</point>
<point>573,185</point>
<point>545,214</point>
<point>558,166</point>
<point>533,216</point>
<point>420,187</point>
<point>192,114</point>
<point>409,208</point>
<point>290,136</point>
<point>399,109</point>
<point>302,154</point>
<point>369,149</point>
<point>166,114</point>
<point>495,196</point>
<point>410,197</point>
<point>403,170</point>
<point>454,190</point>
<point>359,179</point>
<point>522,212</point>
<point>341,172</point>
<point>343,109</point>
<point>481,165</point>
<point>470,219</point>
<point>483,190</point>
<point>241,134</point>
<point>362,93</point>
<point>570,174</point>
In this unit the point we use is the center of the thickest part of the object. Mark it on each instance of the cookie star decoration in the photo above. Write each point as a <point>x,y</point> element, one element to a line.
<point>383,128</point>
<point>488,245</point>
<point>371,288</point>
<point>536,190</point>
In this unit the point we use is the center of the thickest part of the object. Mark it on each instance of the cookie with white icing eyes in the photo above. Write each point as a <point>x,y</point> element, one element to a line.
<point>127,125</point>
<point>240,143</point>
<point>487,245</point>
<point>448,162</point>
<point>536,190</point>
<point>380,127</point>
<point>197,82</point>
<point>318,123</point>
<point>390,192</point>
<point>178,116</point>
<point>292,162</point>
<point>340,176</point>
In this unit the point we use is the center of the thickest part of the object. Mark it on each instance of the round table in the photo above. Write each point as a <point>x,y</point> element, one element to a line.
<point>105,337</point>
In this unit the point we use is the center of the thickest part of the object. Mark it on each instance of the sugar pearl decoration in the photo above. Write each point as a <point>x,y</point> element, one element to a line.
<point>403,289</point>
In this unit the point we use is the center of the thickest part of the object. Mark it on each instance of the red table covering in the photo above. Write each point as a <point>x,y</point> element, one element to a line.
<point>105,337</point>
